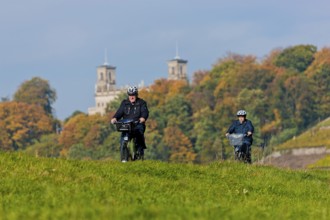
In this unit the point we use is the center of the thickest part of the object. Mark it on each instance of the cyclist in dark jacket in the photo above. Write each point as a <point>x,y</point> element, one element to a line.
<point>136,109</point>
<point>243,126</point>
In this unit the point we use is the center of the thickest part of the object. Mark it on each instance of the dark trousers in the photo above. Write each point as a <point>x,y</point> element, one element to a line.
<point>138,133</point>
<point>246,148</point>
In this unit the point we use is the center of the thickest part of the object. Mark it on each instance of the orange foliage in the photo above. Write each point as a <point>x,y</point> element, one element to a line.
<point>162,89</point>
<point>274,126</point>
<point>20,123</point>
<point>181,148</point>
<point>89,130</point>
<point>322,57</point>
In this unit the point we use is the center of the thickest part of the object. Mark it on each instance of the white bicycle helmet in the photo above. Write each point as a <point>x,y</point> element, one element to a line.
<point>132,90</point>
<point>241,113</point>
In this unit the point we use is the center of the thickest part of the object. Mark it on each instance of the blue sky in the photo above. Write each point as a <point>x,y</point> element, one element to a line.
<point>63,41</point>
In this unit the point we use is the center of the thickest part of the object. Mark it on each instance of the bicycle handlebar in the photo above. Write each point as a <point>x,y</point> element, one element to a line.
<point>244,135</point>
<point>126,122</point>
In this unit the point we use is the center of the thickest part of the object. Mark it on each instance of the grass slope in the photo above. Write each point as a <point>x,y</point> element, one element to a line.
<point>41,188</point>
<point>318,136</point>
<point>323,163</point>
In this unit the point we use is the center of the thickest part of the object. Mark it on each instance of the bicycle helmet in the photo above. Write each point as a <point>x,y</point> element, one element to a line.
<point>132,90</point>
<point>241,113</point>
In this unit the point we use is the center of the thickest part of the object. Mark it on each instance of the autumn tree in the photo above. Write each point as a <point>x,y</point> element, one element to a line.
<point>21,124</point>
<point>180,147</point>
<point>319,74</point>
<point>283,94</point>
<point>36,91</point>
<point>85,132</point>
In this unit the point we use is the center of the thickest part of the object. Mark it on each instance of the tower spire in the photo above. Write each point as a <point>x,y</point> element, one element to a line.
<point>177,51</point>
<point>106,57</point>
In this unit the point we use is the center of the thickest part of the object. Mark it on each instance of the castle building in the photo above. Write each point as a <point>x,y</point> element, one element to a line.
<point>177,68</point>
<point>106,90</point>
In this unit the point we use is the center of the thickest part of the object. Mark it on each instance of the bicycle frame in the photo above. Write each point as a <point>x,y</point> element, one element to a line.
<point>128,146</point>
<point>240,149</point>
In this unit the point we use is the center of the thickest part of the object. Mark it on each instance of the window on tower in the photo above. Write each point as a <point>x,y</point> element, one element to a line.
<point>102,77</point>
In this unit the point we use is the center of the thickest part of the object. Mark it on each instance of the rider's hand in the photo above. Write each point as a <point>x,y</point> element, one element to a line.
<point>249,133</point>
<point>114,120</point>
<point>227,134</point>
<point>142,120</point>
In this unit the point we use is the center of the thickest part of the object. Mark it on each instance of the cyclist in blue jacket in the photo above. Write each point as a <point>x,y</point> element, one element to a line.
<point>243,126</point>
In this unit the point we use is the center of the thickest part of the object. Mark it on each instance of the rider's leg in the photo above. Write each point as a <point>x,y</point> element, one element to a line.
<point>122,138</point>
<point>140,140</point>
<point>248,154</point>
<point>236,151</point>
<point>121,145</point>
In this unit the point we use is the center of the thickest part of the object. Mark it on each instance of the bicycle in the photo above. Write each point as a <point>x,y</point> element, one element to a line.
<point>128,146</point>
<point>240,149</point>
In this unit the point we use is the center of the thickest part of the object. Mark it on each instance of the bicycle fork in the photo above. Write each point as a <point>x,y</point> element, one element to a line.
<point>124,152</point>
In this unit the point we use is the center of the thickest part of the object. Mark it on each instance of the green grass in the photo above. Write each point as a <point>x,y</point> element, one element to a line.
<point>323,163</point>
<point>41,188</point>
<point>318,136</point>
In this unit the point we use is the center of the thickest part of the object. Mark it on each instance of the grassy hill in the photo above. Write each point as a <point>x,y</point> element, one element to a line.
<point>318,136</point>
<point>41,188</point>
<point>323,163</point>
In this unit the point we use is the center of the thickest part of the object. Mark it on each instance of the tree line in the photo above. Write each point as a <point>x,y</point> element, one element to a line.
<point>284,93</point>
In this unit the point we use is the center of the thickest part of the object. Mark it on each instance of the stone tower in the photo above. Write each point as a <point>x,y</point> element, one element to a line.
<point>105,88</point>
<point>106,79</point>
<point>177,68</point>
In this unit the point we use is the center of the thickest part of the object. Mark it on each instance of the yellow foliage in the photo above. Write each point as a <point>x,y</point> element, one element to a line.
<point>20,123</point>
<point>83,129</point>
<point>273,126</point>
<point>181,148</point>
<point>322,57</point>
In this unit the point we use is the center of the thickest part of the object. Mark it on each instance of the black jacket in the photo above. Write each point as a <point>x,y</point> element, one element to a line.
<point>238,128</point>
<point>136,110</point>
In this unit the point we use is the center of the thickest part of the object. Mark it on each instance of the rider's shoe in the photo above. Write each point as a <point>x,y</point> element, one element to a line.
<point>124,161</point>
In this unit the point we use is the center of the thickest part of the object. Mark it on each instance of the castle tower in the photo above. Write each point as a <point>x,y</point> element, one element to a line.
<point>105,88</point>
<point>106,79</point>
<point>177,68</point>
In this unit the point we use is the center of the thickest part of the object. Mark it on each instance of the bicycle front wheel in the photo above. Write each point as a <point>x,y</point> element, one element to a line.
<point>124,153</point>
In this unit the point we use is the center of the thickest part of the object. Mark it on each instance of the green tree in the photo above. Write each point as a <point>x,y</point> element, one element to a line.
<point>77,112</point>
<point>178,112</point>
<point>298,57</point>
<point>47,146</point>
<point>36,91</point>
<point>319,74</point>
<point>206,134</point>
<point>156,149</point>
<point>114,105</point>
